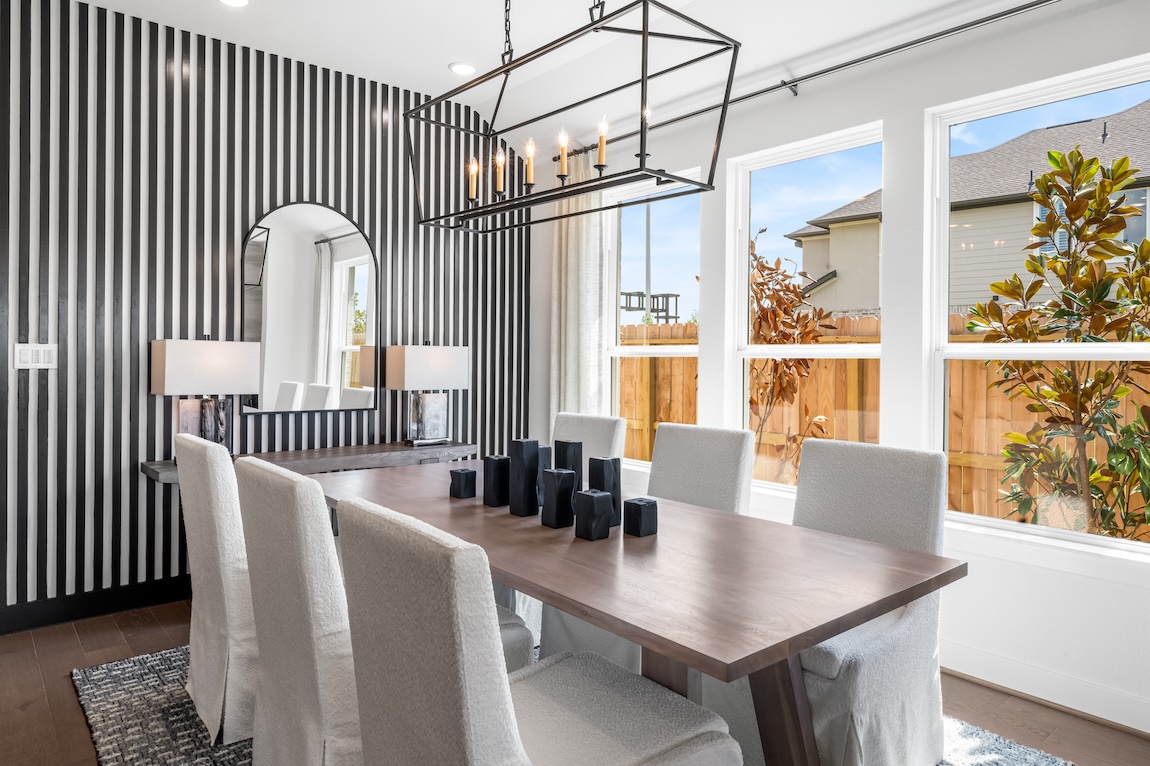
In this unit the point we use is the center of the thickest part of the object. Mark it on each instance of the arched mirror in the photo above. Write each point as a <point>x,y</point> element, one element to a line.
<point>309,299</point>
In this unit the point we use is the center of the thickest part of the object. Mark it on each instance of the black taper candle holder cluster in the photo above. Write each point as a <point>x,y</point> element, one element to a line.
<point>569,455</point>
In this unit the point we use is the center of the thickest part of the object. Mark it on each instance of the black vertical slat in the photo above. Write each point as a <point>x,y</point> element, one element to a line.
<point>337,143</point>
<point>260,200</point>
<point>212,197</point>
<point>205,262</point>
<point>7,11</point>
<point>63,339</point>
<point>22,383</point>
<point>80,417</point>
<point>286,146</point>
<point>272,105</point>
<point>99,309</point>
<point>135,306</point>
<point>189,302</point>
<point>42,303</point>
<point>313,154</point>
<point>168,253</point>
<point>155,258</point>
<point>117,256</point>
<point>231,310</point>
<point>325,144</point>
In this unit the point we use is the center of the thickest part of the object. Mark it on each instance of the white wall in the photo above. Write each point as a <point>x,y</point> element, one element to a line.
<point>289,331</point>
<point>1057,620</point>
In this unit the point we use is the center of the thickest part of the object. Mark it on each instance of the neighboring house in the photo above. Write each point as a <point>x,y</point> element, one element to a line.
<point>991,214</point>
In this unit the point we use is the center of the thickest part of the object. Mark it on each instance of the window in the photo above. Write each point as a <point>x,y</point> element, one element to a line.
<point>654,310</point>
<point>809,251</point>
<point>352,318</point>
<point>1045,376</point>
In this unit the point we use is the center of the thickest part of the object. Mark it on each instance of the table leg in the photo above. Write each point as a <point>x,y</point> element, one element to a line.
<point>665,671</point>
<point>784,714</point>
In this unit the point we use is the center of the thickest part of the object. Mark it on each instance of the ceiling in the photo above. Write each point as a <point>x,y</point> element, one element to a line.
<point>410,44</point>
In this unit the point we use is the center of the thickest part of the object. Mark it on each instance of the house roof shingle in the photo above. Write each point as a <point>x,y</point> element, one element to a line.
<point>1002,173</point>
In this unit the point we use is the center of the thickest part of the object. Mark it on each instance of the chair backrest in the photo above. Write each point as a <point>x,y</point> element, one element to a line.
<point>710,467</point>
<point>356,398</point>
<point>429,663</point>
<point>289,397</point>
<point>217,558</point>
<point>297,592</point>
<point>870,492</point>
<point>601,436</point>
<point>316,397</point>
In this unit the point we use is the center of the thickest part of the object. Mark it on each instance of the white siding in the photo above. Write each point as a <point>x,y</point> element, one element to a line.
<point>986,245</point>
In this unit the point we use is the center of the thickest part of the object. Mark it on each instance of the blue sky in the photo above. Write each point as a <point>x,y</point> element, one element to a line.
<point>785,197</point>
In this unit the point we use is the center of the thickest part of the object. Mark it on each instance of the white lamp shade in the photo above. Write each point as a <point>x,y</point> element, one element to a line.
<point>427,368</point>
<point>200,367</point>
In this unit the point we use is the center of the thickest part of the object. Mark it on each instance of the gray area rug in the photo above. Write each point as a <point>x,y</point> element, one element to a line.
<point>140,714</point>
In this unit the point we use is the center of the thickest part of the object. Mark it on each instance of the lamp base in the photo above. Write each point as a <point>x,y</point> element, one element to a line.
<point>424,442</point>
<point>207,418</point>
<point>426,419</point>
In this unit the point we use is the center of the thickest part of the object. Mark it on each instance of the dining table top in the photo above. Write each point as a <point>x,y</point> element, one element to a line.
<point>727,594</point>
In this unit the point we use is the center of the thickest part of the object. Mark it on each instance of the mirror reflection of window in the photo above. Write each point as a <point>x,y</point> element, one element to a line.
<point>309,279</point>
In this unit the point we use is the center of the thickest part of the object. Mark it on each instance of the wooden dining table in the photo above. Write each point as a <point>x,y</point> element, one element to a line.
<point>728,595</point>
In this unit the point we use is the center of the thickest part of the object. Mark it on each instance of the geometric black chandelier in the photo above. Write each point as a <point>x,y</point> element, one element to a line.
<point>620,85</point>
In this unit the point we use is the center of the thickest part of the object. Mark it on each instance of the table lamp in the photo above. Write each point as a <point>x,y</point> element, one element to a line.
<point>207,369</point>
<point>423,370</point>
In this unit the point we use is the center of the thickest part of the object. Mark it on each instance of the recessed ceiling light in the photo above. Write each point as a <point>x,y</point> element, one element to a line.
<point>461,67</point>
<point>235,3</point>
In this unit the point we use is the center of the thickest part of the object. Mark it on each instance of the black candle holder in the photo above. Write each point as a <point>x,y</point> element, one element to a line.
<point>604,473</point>
<point>524,482</point>
<point>592,515</point>
<point>641,517</point>
<point>544,464</point>
<point>558,498</point>
<point>500,195</point>
<point>528,188</point>
<point>496,480</point>
<point>600,168</point>
<point>569,455</point>
<point>562,179</point>
<point>472,201</point>
<point>463,483</point>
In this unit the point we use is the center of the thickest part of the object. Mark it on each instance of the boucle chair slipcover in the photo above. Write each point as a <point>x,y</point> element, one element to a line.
<point>316,397</point>
<point>431,684</point>
<point>356,398</point>
<point>559,631</point>
<point>874,691</point>
<point>708,467</point>
<point>222,673</point>
<point>289,397</point>
<point>306,712</point>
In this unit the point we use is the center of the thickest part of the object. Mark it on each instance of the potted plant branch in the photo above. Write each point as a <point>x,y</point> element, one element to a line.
<point>1078,457</point>
<point>781,315</point>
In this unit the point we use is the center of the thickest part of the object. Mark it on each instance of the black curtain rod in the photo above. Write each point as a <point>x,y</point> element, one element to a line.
<point>340,236</point>
<point>793,84</point>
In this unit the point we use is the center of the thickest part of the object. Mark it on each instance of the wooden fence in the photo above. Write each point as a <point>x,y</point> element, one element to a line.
<point>845,391</point>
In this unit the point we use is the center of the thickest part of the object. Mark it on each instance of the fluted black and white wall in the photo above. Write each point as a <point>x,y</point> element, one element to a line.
<point>137,158</point>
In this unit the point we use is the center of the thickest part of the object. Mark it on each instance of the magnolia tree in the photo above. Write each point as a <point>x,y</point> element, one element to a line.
<point>1080,458</point>
<point>781,315</point>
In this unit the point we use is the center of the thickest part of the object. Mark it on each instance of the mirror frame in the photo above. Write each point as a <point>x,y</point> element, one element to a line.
<point>257,226</point>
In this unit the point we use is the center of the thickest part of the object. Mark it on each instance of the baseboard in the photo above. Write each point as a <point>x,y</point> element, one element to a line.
<point>1113,707</point>
<point>78,606</point>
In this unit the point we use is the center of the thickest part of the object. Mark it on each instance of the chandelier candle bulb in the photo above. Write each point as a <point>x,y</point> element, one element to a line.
<point>603,142</point>
<point>563,153</point>
<point>500,161</point>
<point>529,150</point>
<point>472,179</point>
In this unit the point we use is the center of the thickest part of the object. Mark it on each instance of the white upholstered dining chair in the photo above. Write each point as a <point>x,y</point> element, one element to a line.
<point>305,694</point>
<point>289,396</point>
<point>708,467</point>
<point>224,657</point>
<point>356,398</point>
<point>874,690</point>
<point>433,689</point>
<point>316,397</point>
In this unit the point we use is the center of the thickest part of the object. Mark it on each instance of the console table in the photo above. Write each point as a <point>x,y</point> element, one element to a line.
<point>326,459</point>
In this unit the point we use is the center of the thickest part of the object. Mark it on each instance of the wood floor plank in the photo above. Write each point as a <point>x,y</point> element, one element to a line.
<point>1087,742</point>
<point>174,618</point>
<point>143,632</point>
<point>99,633</point>
<point>15,642</point>
<point>27,732</point>
<point>59,652</point>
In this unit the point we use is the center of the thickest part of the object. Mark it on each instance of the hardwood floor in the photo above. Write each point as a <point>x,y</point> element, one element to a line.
<point>40,718</point>
<point>41,721</point>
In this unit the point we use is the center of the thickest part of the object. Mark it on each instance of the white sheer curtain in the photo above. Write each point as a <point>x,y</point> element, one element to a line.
<point>580,371</point>
<point>322,311</point>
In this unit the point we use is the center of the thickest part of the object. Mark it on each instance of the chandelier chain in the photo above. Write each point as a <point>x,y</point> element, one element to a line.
<point>508,51</point>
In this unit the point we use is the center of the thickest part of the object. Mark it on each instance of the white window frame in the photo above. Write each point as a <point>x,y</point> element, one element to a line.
<point>939,121</point>
<point>739,170</point>
<point>610,319</point>
<point>341,289</point>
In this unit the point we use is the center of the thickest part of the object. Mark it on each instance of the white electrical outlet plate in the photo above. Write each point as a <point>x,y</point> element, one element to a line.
<point>34,356</point>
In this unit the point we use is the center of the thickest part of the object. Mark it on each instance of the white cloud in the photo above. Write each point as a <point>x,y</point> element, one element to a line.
<point>963,134</point>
